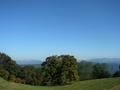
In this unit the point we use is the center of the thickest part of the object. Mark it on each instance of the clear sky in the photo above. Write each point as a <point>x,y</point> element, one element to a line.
<point>36,29</point>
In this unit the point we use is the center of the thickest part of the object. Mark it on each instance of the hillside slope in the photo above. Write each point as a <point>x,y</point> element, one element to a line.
<point>98,84</point>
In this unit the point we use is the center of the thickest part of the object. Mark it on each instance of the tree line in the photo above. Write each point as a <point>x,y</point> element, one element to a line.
<point>55,70</point>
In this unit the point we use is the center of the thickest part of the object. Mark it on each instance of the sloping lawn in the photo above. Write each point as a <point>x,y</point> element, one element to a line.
<point>98,84</point>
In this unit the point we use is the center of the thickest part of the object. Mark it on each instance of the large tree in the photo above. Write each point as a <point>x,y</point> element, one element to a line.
<point>51,70</point>
<point>59,70</point>
<point>69,69</point>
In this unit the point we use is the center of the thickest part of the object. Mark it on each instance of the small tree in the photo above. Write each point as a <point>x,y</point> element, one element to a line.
<point>85,70</point>
<point>116,74</point>
<point>4,74</point>
<point>119,67</point>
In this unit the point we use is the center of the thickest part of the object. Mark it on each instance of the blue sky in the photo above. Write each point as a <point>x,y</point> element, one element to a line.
<point>36,29</point>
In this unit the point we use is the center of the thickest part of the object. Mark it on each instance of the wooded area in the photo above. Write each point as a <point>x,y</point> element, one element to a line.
<point>55,70</point>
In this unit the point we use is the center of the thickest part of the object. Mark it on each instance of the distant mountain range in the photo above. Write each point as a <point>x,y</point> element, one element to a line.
<point>112,63</point>
<point>26,62</point>
<point>99,60</point>
<point>105,60</point>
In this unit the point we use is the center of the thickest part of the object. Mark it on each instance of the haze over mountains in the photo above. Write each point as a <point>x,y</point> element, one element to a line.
<point>100,60</point>
<point>105,60</point>
<point>26,62</point>
<point>112,63</point>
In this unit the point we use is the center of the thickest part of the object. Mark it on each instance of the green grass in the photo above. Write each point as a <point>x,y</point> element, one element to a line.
<point>98,84</point>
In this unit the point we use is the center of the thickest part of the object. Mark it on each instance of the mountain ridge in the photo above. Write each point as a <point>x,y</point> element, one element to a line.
<point>105,60</point>
<point>26,62</point>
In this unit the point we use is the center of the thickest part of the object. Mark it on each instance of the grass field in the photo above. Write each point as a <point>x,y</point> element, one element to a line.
<point>98,84</point>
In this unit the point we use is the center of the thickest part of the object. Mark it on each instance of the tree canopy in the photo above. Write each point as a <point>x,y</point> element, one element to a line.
<point>85,70</point>
<point>55,70</point>
<point>60,70</point>
<point>100,71</point>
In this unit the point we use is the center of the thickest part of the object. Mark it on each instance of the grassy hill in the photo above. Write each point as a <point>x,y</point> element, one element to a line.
<point>98,84</point>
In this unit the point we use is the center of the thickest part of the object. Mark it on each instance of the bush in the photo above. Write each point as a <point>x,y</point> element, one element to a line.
<point>4,74</point>
<point>116,74</point>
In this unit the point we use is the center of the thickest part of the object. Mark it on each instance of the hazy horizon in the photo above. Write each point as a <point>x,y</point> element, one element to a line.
<point>36,29</point>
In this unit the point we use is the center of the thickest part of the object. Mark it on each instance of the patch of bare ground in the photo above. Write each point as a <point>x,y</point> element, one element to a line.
<point>116,87</point>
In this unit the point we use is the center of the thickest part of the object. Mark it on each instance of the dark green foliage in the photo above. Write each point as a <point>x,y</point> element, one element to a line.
<point>9,65</point>
<point>12,78</point>
<point>32,75</point>
<point>85,70</point>
<point>88,70</point>
<point>55,70</point>
<point>4,74</point>
<point>39,76</point>
<point>119,67</point>
<point>116,74</point>
<point>60,70</point>
<point>100,71</point>
<point>51,69</point>
<point>11,71</point>
<point>29,74</point>
<point>69,69</point>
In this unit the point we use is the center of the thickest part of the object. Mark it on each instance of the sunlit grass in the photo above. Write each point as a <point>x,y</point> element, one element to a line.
<point>98,84</point>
